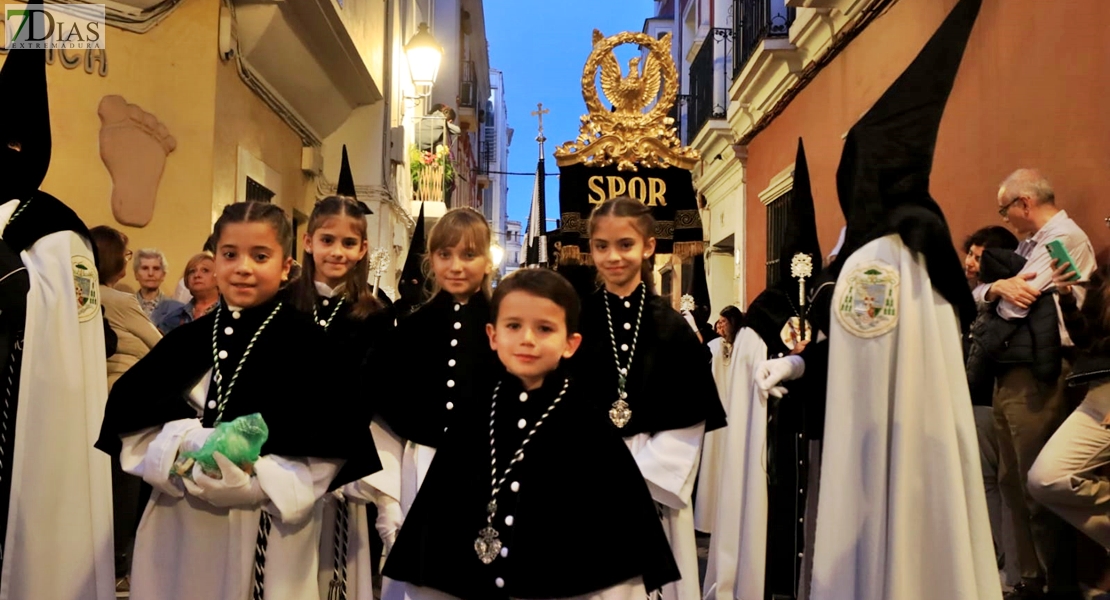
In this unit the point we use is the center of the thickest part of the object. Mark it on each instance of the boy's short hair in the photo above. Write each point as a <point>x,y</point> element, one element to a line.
<point>542,283</point>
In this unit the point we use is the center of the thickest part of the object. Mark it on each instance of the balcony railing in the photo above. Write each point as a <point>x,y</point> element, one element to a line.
<point>709,81</point>
<point>752,22</point>
<point>468,85</point>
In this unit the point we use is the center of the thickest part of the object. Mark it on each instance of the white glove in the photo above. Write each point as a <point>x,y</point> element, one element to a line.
<point>234,489</point>
<point>690,319</point>
<point>776,370</point>
<point>194,440</point>
<point>389,521</point>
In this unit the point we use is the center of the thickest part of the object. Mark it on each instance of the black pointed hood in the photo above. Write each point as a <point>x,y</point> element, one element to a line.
<point>413,280</point>
<point>883,177</point>
<point>801,228</point>
<point>346,184</point>
<point>26,142</point>
<point>770,310</point>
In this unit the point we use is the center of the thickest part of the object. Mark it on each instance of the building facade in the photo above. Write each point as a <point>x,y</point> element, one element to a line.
<point>759,74</point>
<point>497,137</point>
<point>195,105</point>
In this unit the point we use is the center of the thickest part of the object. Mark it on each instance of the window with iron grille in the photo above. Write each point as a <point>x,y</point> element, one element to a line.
<point>778,212</point>
<point>256,192</point>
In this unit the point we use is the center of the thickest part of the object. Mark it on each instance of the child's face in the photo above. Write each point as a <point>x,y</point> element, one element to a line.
<point>336,247</point>
<point>530,337</point>
<point>618,250</point>
<point>460,270</point>
<point>249,264</point>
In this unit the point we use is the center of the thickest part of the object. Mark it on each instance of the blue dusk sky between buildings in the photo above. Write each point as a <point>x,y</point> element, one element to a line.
<point>541,48</point>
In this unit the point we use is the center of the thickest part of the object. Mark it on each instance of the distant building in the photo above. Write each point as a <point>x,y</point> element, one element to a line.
<point>513,247</point>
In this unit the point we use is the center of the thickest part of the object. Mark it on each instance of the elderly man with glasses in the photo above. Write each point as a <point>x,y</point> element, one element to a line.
<point>1027,409</point>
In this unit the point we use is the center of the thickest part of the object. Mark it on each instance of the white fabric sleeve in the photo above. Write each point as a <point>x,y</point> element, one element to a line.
<point>150,453</point>
<point>1040,263</point>
<point>668,461</point>
<point>293,486</point>
<point>980,293</point>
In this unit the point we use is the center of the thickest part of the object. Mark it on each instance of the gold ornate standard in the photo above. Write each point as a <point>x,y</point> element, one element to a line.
<point>628,136</point>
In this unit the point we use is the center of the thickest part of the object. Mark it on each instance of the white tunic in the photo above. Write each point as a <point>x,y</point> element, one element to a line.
<point>187,549</point>
<point>738,546</point>
<point>383,489</point>
<point>59,539</point>
<point>902,513</point>
<point>668,461</point>
<point>713,449</point>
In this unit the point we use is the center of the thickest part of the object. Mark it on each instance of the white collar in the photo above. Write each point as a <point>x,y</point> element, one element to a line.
<point>326,291</point>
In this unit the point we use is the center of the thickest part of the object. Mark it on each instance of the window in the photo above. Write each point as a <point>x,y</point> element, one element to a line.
<point>256,192</point>
<point>778,210</point>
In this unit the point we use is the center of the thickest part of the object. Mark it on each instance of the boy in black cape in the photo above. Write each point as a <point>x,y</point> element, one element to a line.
<point>474,537</point>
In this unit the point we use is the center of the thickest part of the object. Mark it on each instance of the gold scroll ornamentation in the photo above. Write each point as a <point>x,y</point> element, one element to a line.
<point>627,135</point>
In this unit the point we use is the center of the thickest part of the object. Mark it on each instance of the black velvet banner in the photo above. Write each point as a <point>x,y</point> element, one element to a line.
<point>669,192</point>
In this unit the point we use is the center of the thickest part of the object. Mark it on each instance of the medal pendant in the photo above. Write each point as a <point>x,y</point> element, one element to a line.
<point>487,545</point>
<point>620,413</point>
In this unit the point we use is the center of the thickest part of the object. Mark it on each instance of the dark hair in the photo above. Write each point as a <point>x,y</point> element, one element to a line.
<point>736,318</point>
<point>111,248</point>
<point>210,245</point>
<point>642,221</point>
<point>541,283</point>
<point>993,236</point>
<point>1096,313</point>
<point>257,212</point>
<point>356,288</point>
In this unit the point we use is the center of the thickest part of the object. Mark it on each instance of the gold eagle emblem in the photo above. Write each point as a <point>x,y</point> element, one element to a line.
<point>637,131</point>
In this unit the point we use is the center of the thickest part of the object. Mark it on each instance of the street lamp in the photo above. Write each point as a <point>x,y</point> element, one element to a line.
<point>497,253</point>
<point>424,55</point>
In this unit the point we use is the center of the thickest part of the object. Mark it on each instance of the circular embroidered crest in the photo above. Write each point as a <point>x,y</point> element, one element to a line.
<point>788,332</point>
<point>88,293</point>
<point>867,300</point>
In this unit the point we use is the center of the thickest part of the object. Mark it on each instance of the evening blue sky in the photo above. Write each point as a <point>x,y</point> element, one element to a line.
<point>541,48</point>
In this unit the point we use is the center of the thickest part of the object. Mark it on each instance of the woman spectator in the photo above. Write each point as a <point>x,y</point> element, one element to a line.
<point>200,279</point>
<point>136,336</point>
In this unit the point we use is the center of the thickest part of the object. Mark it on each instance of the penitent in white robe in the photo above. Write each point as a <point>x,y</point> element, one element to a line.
<point>59,539</point>
<point>902,514</point>
<point>187,549</point>
<point>738,545</point>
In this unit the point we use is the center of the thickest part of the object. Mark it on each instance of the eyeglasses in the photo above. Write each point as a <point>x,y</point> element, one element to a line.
<point>1005,208</point>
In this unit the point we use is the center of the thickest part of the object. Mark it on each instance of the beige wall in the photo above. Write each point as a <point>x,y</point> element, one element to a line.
<point>243,120</point>
<point>1030,93</point>
<point>173,72</point>
<point>169,72</point>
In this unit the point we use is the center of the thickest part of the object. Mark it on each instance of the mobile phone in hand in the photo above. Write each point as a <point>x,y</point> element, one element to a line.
<point>1057,251</point>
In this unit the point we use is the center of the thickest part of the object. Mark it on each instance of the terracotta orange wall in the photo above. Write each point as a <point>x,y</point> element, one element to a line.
<point>1030,93</point>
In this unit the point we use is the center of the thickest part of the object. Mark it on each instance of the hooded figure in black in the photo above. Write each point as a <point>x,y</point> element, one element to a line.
<point>55,492</point>
<point>412,286</point>
<point>900,463</point>
<point>783,316</point>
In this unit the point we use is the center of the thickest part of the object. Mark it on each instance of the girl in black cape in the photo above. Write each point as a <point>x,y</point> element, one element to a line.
<point>333,290</point>
<point>437,357</point>
<point>653,374</point>
<point>230,535</point>
<point>566,513</point>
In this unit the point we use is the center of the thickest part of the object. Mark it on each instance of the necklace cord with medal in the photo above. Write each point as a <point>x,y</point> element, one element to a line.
<point>222,394</point>
<point>335,311</point>
<point>620,413</point>
<point>488,546</point>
